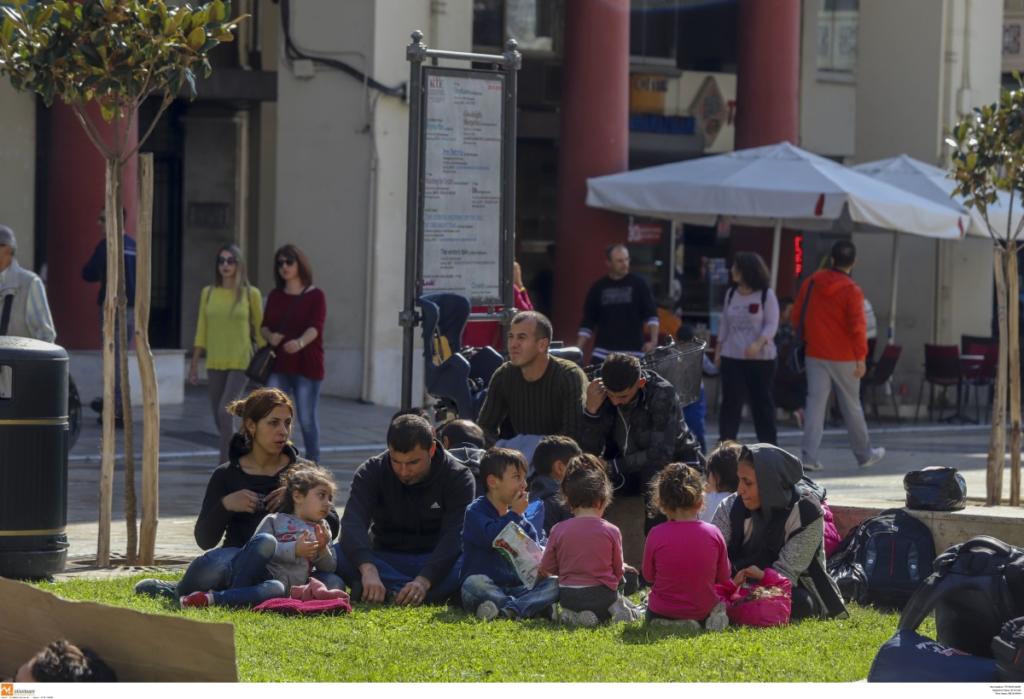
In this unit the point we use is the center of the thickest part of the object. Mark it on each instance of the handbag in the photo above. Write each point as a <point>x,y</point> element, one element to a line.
<point>262,363</point>
<point>797,358</point>
<point>767,602</point>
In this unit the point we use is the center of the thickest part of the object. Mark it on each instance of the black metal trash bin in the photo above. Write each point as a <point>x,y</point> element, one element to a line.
<point>33,458</point>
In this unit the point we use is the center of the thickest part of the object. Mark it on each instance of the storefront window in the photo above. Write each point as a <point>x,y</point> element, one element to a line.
<point>653,31</point>
<point>530,22</point>
<point>837,37</point>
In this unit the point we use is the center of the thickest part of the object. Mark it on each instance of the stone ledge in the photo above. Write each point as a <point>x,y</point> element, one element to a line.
<point>87,370</point>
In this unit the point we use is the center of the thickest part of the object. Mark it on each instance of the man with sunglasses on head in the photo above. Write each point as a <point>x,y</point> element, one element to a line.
<point>95,270</point>
<point>633,418</point>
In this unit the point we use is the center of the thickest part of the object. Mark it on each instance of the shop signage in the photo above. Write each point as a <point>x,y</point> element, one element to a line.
<point>644,233</point>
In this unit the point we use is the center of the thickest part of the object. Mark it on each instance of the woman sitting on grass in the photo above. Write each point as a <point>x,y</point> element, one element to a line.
<point>773,522</point>
<point>684,558</point>
<point>288,544</point>
<point>239,495</point>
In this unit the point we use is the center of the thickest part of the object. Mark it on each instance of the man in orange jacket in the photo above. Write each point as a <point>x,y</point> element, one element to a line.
<point>835,335</point>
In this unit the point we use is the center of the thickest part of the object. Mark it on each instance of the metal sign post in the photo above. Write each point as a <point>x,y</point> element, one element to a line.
<point>461,188</point>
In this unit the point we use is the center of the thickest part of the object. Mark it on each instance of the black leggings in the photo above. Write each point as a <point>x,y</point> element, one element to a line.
<point>753,379</point>
<point>596,599</point>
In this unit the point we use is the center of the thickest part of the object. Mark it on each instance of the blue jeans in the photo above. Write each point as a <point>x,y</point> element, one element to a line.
<point>306,394</point>
<point>396,570</point>
<point>250,583</point>
<point>214,569</point>
<point>519,601</point>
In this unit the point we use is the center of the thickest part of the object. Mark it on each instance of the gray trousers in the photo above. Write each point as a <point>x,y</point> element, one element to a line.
<point>822,376</point>
<point>224,387</point>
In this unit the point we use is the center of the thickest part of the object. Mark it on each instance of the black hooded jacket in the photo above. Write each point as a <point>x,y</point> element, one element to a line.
<point>383,513</point>
<point>236,528</point>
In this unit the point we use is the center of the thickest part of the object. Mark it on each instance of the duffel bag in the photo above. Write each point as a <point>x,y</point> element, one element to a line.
<point>937,488</point>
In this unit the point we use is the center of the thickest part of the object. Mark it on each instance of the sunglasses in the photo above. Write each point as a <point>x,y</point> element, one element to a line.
<point>226,261</point>
<point>285,261</point>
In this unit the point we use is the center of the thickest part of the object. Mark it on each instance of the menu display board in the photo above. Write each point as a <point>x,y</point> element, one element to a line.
<point>462,184</point>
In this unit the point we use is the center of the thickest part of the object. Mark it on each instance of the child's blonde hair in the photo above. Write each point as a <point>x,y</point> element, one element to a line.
<point>677,487</point>
<point>302,479</point>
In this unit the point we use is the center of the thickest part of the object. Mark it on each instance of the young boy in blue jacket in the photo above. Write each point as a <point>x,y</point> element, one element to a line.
<point>490,584</point>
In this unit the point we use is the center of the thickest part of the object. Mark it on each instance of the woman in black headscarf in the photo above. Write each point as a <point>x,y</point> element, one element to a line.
<point>774,521</point>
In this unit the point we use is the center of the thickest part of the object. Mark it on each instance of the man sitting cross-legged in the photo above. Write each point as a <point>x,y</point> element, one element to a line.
<point>402,527</point>
<point>491,585</point>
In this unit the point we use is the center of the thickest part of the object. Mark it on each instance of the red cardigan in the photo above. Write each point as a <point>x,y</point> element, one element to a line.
<point>306,311</point>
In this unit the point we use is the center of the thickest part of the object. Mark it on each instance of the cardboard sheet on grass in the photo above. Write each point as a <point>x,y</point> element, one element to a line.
<point>139,647</point>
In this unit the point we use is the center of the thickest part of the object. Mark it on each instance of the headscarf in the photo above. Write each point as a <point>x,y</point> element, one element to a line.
<point>777,473</point>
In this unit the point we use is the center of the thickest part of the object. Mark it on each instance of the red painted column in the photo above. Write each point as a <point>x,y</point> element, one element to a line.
<point>768,75</point>
<point>594,141</point>
<point>74,192</point>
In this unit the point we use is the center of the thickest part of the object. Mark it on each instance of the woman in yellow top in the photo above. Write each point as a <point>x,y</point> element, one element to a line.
<point>230,315</point>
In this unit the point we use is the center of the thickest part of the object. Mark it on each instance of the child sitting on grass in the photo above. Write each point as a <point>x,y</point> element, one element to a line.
<point>722,479</point>
<point>286,547</point>
<point>550,460</point>
<point>490,584</point>
<point>585,552</point>
<point>684,557</point>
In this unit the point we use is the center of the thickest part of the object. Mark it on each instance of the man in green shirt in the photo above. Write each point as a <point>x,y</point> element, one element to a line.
<point>540,395</point>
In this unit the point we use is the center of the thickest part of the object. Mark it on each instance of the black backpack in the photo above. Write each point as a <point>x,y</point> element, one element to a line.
<point>884,559</point>
<point>977,587</point>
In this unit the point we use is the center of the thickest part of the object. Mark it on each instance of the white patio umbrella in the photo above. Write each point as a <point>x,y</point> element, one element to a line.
<point>935,184</point>
<point>779,185</point>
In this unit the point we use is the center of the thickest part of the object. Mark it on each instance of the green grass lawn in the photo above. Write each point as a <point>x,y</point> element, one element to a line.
<point>437,644</point>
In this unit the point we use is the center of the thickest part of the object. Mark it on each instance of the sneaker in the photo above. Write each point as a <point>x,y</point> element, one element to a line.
<point>588,619</point>
<point>717,620</point>
<point>485,611</point>
<point>152,587</point>
<point>622,610</point>
<point>196,599</point>
<point>877,454</point>
<point>813,466</point>
<point>553,614</point>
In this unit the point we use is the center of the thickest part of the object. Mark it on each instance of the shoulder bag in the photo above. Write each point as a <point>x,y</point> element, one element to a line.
<point>262,363</point>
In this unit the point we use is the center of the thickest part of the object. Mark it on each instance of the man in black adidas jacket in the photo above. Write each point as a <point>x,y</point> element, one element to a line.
<point>401,534</point>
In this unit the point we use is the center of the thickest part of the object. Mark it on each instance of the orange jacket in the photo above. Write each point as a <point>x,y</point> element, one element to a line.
<point>834,328</point>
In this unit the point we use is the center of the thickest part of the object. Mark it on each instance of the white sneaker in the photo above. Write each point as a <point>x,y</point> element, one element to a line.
<point>877,454</point>
<point>813,466</point>
<point>717,620</point>
<point>486,611</point>
<point>587,619</point>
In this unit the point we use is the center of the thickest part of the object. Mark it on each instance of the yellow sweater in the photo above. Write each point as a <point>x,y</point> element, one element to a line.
<point>226,330</point>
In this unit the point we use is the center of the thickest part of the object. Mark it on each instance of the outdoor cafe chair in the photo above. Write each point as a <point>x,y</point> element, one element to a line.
<point>881,375</point>
<point>942,369</point>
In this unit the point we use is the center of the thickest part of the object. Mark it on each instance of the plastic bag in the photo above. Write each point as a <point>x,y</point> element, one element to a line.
<point>938,488</point>
<point>521,551</point>
<point>764,603</point>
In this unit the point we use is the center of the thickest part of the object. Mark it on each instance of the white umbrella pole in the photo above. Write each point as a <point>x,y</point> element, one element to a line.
<point>776,244</point>
<point>895,274</point>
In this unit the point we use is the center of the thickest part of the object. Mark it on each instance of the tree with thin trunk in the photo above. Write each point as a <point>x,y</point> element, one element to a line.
<point>988,161</point>
<point>116,54</point>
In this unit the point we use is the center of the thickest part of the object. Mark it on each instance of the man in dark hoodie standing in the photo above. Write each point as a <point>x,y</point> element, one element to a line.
<point>402,528</point>
<point>831,307</point>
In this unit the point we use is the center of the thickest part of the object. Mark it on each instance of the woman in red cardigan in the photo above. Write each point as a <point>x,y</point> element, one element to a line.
<point>293,322</point>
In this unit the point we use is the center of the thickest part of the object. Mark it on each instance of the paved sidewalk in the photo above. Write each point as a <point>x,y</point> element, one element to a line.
<point>352,431</point>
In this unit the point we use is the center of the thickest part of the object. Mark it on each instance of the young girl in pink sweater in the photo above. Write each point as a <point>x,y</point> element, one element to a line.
<point>684,557</point>
<point>585,552</point>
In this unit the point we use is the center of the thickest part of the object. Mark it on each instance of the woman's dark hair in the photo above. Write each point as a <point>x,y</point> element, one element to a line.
<point>676,487</point>
<point>302,479</point>
<point>586,483</point>
<point>724,462</point>
<point>753,270</point>
<point>258,404</point>
<point>291,252</point>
